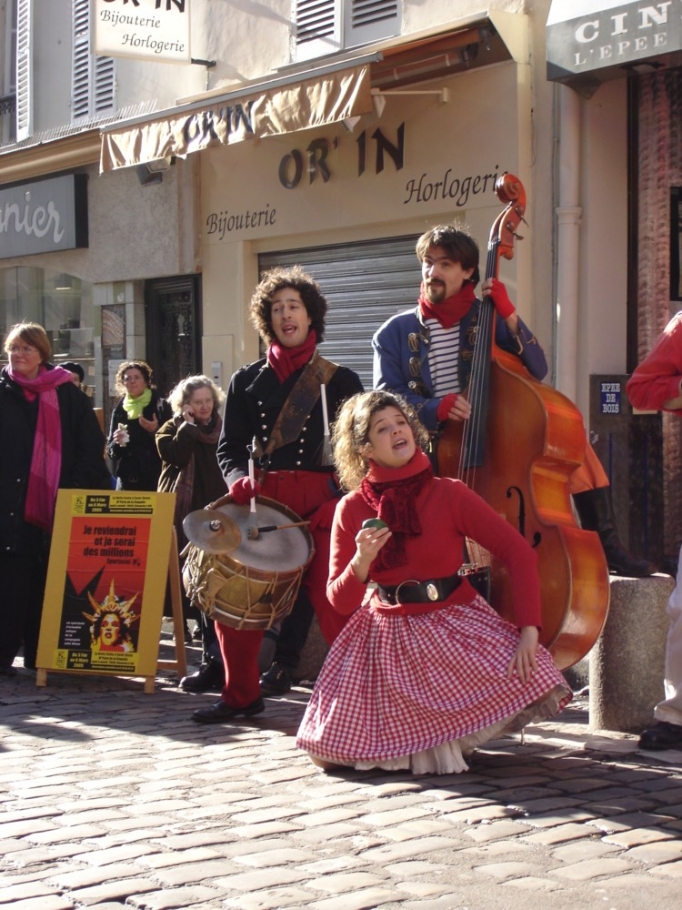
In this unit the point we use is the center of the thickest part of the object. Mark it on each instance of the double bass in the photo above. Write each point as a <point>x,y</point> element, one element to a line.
<point>518,450</point>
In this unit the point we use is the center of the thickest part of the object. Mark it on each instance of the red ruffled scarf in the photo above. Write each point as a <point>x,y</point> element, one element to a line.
<point>285,361</point>
<point>452,309</point>
<point>392,493</point>
<point>46,461</point>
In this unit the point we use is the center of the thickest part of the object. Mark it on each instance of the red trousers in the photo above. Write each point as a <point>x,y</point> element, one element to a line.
<point>313,496</point>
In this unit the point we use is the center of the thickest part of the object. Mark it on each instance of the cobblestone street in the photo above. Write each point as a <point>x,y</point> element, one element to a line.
<point>114,797</point>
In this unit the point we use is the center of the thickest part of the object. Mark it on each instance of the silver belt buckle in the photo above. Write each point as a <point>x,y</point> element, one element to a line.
<point>409,581</point>
<point>432,591</point>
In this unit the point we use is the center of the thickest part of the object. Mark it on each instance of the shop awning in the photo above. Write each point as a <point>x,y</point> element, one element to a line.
<point>325,94</point>
<point>590,41</point>
<point>283,105</point>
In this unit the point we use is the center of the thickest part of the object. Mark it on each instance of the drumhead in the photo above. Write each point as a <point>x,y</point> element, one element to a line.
<point>273,551</point>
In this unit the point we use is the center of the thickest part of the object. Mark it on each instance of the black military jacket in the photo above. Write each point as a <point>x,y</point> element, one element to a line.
<point>254,400</point>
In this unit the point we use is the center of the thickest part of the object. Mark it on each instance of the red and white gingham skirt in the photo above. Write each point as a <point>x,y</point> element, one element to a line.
<point>394,687</point>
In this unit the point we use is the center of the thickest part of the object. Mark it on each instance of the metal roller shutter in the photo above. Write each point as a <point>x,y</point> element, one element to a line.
<point>364,284</point>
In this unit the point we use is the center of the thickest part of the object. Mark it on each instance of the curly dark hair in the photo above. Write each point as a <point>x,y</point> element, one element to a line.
<point>140,365</point>
<point>276,280</point>
<point>458,244</point>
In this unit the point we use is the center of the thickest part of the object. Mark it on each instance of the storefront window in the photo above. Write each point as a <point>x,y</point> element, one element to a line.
<point>60,302</point>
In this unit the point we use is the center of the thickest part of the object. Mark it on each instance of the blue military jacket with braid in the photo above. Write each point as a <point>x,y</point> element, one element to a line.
<point>401,357</point>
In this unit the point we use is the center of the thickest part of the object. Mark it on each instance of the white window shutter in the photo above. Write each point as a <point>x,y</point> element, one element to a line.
<point>24,69</point>
<point>93,78</point>
<point>104,85</point>
<point>324,27</point>
<point>80,84</point>
<point>370,20</point>
<point>317,28</point>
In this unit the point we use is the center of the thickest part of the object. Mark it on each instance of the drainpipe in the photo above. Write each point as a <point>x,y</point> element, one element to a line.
<point>568,215</point>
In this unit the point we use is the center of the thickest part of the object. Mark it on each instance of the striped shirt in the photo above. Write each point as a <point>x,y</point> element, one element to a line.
<point>444,358</point>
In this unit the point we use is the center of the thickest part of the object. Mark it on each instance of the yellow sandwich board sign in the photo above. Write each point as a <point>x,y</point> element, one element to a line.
<point>106,583</point>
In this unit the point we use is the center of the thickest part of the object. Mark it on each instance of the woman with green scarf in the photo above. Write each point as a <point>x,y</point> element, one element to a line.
<point>136,418</point>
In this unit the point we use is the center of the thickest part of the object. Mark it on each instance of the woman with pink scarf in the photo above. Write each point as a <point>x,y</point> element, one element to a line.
<point>51,439</point>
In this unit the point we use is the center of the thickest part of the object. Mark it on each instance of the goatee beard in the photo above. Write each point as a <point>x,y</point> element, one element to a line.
<point>435,293</point>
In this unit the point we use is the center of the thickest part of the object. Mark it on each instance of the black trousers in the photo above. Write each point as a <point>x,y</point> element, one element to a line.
<point>21,603</point>
<point>294,632</point>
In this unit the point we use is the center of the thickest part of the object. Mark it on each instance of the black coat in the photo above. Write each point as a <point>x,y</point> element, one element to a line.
<point>138,465</point>
<point>83,465</point>
<point>255,398</point>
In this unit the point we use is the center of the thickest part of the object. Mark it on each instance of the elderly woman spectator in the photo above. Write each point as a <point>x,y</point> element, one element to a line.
<point>136,418</point>
<point>51,439</point>
<point>187,444</point>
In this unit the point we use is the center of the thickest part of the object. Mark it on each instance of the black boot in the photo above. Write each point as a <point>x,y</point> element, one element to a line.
<point>209,676</point>
<point>595,511</point>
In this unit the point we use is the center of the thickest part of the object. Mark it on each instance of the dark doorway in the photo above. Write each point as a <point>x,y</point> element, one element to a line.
<point>173,324</point>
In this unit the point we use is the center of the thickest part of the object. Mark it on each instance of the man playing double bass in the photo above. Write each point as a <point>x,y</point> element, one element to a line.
<point>277,403</point>
<point>425,354</point>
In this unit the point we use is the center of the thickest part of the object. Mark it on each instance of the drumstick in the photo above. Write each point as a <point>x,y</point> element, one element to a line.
<point>252,523</point>
<point>294,524</point>
<point>326,444</point>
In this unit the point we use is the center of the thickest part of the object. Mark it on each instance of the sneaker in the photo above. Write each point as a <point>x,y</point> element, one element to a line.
<point>277,681</point>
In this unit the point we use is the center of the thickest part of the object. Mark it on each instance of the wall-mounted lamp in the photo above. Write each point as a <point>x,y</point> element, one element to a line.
<point>379,96</point>
<point>152,171</point>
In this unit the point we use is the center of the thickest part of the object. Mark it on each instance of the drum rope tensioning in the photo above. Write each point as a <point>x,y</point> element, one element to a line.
<point>245,582</point>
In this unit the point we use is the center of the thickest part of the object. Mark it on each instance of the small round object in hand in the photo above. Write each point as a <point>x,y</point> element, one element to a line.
<point>377,523</point>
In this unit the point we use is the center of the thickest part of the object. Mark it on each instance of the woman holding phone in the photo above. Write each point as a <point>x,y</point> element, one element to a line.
<point>187,445</point>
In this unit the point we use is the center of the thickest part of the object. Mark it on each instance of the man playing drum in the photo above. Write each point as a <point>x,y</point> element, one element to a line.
<point>278,407</point>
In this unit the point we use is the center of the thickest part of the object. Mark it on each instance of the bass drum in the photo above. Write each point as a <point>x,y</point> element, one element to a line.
<point>255,584</point>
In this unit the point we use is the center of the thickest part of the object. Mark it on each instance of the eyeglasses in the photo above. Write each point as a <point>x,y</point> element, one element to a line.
<point>133,379</point>
<point>22,349</point>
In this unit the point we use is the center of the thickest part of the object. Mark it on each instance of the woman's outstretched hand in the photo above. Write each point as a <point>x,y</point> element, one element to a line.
<point>523,661</point>
<point>151,426</point>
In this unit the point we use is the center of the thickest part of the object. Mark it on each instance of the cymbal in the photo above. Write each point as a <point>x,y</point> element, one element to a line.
<point>212,531</point>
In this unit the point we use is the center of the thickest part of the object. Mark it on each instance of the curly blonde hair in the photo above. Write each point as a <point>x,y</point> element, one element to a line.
<point>351,432</point>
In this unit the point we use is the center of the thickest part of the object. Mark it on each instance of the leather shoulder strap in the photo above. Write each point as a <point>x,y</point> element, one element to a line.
<point>300,402</point>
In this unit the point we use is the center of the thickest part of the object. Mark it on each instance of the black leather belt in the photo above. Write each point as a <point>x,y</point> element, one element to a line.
<point>416,592</point>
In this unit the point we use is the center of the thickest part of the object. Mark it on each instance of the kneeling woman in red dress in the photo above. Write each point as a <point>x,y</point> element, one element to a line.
<point>425,670</point>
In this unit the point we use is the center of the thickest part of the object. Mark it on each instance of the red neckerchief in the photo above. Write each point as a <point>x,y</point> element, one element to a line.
<point>285,361</point>
<point>450,310</point>
<point>392,493</point>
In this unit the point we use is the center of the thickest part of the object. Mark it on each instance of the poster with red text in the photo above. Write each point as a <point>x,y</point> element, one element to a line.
<point>106,582</point>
